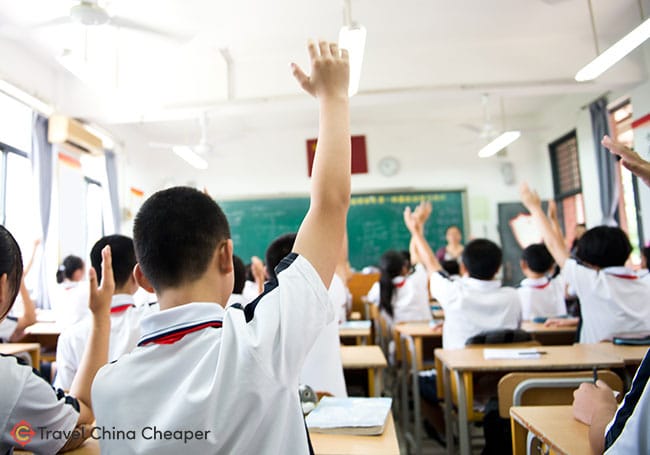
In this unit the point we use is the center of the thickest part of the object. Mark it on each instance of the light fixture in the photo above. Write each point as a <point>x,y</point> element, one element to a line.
<point>190,156</point>
<point>499,143</point>
<point>25,98</point>
<point>615,53</point>
<point>352,37</point>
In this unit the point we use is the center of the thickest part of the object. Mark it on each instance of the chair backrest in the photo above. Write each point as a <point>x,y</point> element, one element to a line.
<point>359,284</point>
<point>500,336</point>
<point>546,388</point>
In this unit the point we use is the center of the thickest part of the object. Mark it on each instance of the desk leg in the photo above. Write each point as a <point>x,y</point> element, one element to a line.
<point>371,382</point>
<point>405,418</point>
<point>378,381</point>
<point>35,354</point>
<point>518,437</point>
<point>446,380</point>
<point>418,352</point>
<point>463,427</point>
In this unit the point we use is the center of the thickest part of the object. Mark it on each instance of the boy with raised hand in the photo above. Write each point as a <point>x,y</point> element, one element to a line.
<point>34,416</point>
<point>208,380</point>
<point>613,298</point>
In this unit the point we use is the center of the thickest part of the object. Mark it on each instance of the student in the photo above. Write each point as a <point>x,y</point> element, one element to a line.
<point>125,316</point>
<point>70,302</point>
<point>12,328</point>
<point>452,267</point>
<point>541,294</point>
<point>613,298</point>
<point>618,430</point>
<point>229,379</point>
<point>239,270</point>
<point>28,397</point>
<point>476,302</point>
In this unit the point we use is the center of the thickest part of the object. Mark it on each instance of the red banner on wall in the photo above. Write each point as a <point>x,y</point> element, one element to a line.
<point>359,156</point>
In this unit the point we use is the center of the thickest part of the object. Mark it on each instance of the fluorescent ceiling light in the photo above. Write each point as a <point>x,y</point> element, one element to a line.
<point>353,38</point>
<point>26,98</point>
<point>615,53</point>
<point>499,143</point>
<point>192,158</point>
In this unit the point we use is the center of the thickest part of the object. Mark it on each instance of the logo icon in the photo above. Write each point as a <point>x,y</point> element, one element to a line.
<point>22,433</point>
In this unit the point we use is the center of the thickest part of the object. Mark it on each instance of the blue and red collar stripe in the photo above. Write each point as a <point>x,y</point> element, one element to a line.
<point>121,308</point>
<point>173,336</point>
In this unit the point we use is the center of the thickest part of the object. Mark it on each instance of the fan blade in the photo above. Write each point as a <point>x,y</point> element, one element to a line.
<point>473,128</point>
<point>123,22</point>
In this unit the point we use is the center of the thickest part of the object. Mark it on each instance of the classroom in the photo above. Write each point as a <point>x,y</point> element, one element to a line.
<point>445,204</point>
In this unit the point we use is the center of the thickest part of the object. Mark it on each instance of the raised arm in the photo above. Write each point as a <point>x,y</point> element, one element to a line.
<point>414,224</point>
<point>629,158</point>
<point>29,313</point>
<point>323,228</point>
<point>553,239</point>
<point>552,217</point>
<point>96,353</point>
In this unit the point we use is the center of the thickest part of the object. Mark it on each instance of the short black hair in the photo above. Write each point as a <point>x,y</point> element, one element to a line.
<point>604,246</point>
<point>68,267</point>
<point>175,234</point>
<point>11,263</point>
<point>123,255</point>
<point>538,258</point>
<point>277,251</point>
<point>451,266</point>
<point>240,275</point>
<point>482,259</point>
<point>645,251</point>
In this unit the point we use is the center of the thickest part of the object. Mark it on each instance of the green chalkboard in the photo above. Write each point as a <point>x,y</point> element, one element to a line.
<point>374,222</point>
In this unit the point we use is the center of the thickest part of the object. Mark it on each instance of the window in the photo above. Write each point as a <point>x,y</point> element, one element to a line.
<point>94,213</point>
<point>621,127</point>
<point>567,184</point>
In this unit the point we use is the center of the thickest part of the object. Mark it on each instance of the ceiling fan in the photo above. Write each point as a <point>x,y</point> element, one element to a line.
<point>90,13</point>
<point>492,140</point>
<point>196,154</point>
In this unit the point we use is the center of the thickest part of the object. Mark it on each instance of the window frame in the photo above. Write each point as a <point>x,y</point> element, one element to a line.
<point>5,150</point>
<point>559,196</point>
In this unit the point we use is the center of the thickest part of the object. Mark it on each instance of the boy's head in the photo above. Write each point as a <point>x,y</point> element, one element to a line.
<point>240,275</point>
<point>11,271</point>
<point>482,259</point>
<point>276,251</point>
<point>179,234</point>
<point>604,246</point>
<point>451,266</point>
<point>123,255</point>
<point>536,260</point>
<point>645,255</point>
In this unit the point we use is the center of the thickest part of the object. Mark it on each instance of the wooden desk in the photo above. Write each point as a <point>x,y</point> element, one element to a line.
<point>553,425</point>
<point>631,355</point>
<point>417,331</point>
<point>550,336</point>
<point>360,330</point>
<point>333,444</point>
<point>462,363</point>
<point>366,357</point>
<point>33,349</point>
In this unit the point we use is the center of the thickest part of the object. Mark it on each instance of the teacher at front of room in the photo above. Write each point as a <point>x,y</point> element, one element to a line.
<point>454,248</point>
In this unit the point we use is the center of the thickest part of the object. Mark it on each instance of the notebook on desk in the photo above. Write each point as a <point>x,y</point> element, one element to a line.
<point>355,416</point>
<point>632,339</point>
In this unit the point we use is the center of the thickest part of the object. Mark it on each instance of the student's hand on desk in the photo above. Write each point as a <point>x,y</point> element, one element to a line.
<point>590,399</point>
<point>529,198</point>
<point>330,71</point>
<point>101,296</point>
<point>630,159</point>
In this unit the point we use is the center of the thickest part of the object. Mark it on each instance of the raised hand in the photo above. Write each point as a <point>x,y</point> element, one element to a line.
<point>529,198</point>
<point>629,158</point>
<point>330,71</point>
<point>101,296</point>
<point>411,221</point>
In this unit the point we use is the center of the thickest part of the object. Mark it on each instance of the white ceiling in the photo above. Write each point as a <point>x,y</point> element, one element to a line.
<point>424,58</point>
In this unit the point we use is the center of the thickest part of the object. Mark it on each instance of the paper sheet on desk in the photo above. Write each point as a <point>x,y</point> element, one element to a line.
<point>499,354</point>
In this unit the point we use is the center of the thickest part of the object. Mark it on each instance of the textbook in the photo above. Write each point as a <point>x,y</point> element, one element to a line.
<point>355,325</point>
<point>355,416</point>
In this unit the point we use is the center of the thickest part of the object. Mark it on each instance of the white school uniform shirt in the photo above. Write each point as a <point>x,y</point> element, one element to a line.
<point>231,372</point>
<point>613,300</point>
<point>341,297</point>
<point>125,333</point>
<point>7,328</point>
<point>70,302</point>
<point>250,291</point>
<point>473,306</point>
<point>27,397</point>
<point>410,297</point>
<point>542,297</point>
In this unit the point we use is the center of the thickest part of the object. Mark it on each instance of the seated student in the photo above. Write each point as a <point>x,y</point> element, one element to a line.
<point>541,294</point>
<point>12,328</point>
<point>125,316</point>
<point>26,396</point>
<point>613,299</point>
<point>70,297</point>
<point>618,430</point>
<point>239,270</point>
<point>476,302</point>
<point>452,267</point>
<point>229,378</point>
<point>322,370</point>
